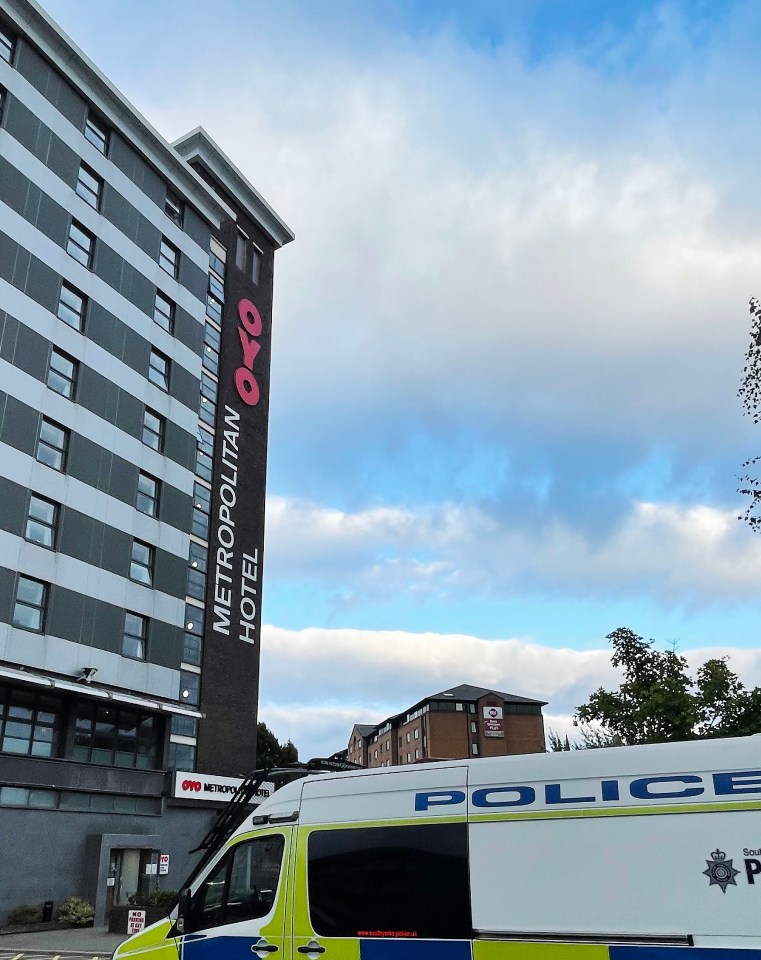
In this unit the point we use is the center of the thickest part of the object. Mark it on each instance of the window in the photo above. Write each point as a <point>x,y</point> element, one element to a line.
<point>41,521</point>
<point>256,265</point>
<point>62,373</point>
<point>3,95</point>
<point>191,650</point>
<point>169,258</point>
<point>211,349</point>
<point>141,563</point>
<point>207,409</point>
<point>158,370</point>
<point>135,636</point>
<point>29,723</point>
<point>80,244</point>
<point>163,312</point>
<point>372,879</point>
<point>473,726</point>
<point>243,886</point>
<point>147,501</point>
<point>416,734</point>
<point>184,726</point>
<point>240,251</point>
<point>97,133</point>
<point>214,309</point>
<point>182,756</point>
<point>153,430</point>
<point>417,753</point>
<point>201,511</point>
<point>474,749</point>
<point>89,186</point>
<point>190,687</point>
<point>217,257</point>
<point>29,608</point>
<point>197,563</point>
<point>7,45</point>
<point>115,737</point>
<point>174,208</point>
<point>408,737</point>
<point>72,306</point>
<point>203,461</point>
<point>52,445</point>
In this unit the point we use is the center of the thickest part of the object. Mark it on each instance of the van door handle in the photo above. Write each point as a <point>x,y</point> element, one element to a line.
<point>263,947</point>
<point>311,947</point>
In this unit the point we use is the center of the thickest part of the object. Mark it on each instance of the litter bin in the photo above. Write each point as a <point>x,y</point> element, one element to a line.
<point>47,911</point>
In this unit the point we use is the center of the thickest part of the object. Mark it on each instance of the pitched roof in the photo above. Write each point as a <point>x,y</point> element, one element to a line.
<point>364,728</point>
<point>466,691</point>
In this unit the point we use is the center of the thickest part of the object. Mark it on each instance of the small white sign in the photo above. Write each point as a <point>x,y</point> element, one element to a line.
<point>151,869</point>
<point>164,864</point>
<point>201,786</point>
<point>135,921</point>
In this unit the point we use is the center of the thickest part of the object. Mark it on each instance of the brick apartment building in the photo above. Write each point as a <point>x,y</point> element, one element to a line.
<point>464,721</point>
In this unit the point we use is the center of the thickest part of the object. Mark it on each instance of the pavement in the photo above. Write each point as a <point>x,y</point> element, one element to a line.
<point>92,943</point>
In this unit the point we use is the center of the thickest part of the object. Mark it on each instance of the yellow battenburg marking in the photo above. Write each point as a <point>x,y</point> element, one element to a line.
<point>153,939</point>
<point>519,950</point>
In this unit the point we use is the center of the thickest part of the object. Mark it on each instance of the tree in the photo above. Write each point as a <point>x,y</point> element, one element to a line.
<point>270,752</point>
<point>750,394</point>
<point>658,701</point>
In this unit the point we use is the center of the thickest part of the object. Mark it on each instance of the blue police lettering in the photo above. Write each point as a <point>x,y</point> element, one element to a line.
<point>552,794</point>
<point>525,796</point>
<point>640,789</point>
<point>610,790</point>
<point>728,783</point>
<point>438,798</point>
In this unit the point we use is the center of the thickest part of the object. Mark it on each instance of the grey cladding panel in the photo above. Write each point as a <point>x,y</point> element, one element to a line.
<point>19,424</point>
<point>185,387</point>
<point>193,278</point>
<point>137,169</point>
<point>180,446</point>
<point>188,330</point>
<point>24,348</point>
<point>107,627</point>
<point>27,273</point>
<point>171,573</point>
<point>65,614</point>
<point>165,644</point>
<point>196,228</point>
<point>50,84</point>
<point>7,586</point>
<point>176,508</point>
<point>25,127</point>
<point>52,220</point>
<point>13,498</point>
<point>123,480</point>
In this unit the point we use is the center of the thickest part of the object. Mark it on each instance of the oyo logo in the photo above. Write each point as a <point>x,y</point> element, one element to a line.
<point>493,712</point>
<point>250,328</point>
<point>191,785</point>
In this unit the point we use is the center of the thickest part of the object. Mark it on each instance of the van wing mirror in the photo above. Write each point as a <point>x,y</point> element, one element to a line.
<point>183,911</point>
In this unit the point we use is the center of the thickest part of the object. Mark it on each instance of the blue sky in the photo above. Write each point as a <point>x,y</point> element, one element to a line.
<point>507,339</point>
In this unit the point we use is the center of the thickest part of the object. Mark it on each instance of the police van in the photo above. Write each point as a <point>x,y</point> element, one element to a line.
<point>629,853</point>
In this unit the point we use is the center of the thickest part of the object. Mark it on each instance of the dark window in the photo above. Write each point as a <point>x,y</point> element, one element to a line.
<point>72,306</point>
<point>158,369</point>
<point>174,208</point>
<point>256,264</point>
<point>211,349</point>
<point>29,723</point>
<point>184,726</point>
<point>115,737</point>
<point>89,186</point>
<point>52,445</point>
<point>163,312</point>
<point>190,687</point>
<point>7,45</point>
<point>216,287</point>
<point>203,463</point>
<point>134,639</point>
<point>147,494</point>
<point>242,887</point>
<point>41,521</point>
<point>141,563</point>
<point>240,251</point>
<point>407,880</point>
<point>3,95</point>
<point>97,133</point>
<point>523,709</point>
<point>62,373</point>
<point>29,607</point>
<point>153,430</point>
<point>191,650</point>
<point>197,561</point>
<point>169,258</point>
<point>207,409</point>
<point>201,511</point>
<point>214,309</point>
<point>182,756</point>
<point>81,244</point>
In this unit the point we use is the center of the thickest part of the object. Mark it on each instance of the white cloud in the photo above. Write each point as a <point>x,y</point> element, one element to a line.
<point>697,555</point>
<point>317,683</point>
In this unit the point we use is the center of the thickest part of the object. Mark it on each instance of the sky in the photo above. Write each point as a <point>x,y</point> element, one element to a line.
<point>507,340</point>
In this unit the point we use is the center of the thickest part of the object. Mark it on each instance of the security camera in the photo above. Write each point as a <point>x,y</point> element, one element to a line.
<point>88,673</point>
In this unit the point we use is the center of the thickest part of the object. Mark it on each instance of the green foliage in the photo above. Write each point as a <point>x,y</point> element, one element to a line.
<point>750,394</point>
<point>77,912</point>
<point>556,743</point>
<point>270,752</point>
<point>25,914</point>
<point>658,701</point>
<point>162,899</point>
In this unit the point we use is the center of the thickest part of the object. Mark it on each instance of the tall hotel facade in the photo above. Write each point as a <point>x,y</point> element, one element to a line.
<point>136,286</point>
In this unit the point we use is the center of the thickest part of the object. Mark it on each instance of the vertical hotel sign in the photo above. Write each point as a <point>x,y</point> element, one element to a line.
<point>494,724</point>
<point>240,462</point>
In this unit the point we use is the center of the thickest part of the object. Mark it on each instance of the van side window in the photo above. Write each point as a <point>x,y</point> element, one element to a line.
<point>405,881</point>
<point>242,886</point>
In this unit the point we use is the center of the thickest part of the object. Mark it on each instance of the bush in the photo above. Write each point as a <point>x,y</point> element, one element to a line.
<point>161,899</point>
<point>77,912</point>
<point>24,914</point>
